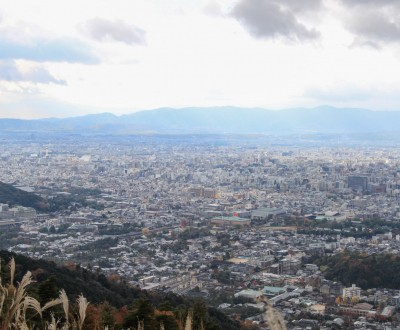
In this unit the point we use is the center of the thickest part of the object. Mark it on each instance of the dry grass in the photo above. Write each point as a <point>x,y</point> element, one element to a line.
<point>274,318</point>
<point>15,303</point>
<point>189,321</point>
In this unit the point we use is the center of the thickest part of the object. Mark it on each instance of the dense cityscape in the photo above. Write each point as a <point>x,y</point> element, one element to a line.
<point>228,222</point>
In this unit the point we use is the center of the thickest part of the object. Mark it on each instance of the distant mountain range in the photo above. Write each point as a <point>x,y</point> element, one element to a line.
<point>218,120</point>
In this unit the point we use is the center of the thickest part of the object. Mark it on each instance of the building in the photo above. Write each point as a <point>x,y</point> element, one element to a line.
<point>357,182</point>
<point>362,309</point>
<point>290,265</point>
<point>352,291</point>
<point>230,221</point>
<point>17,213</point>
<point>7,225</point>
<point>210,193</point>
<point>272,291</point>
<point>249,294</point>
<point>265,213</point>
<point>196,191</point>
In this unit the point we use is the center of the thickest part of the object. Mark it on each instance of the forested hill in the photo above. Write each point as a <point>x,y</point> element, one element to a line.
<point>14,196</point>
<point>76,195</point>
<point>111,299</point>
<point>366,271</point>
<point>74,280</point>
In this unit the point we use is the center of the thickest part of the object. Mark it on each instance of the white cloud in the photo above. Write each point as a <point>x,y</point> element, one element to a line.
<point>213,8</point>
<point>10,71</point>
<point>105,30</point>
<point>271,19</point>
<point>373,23</point>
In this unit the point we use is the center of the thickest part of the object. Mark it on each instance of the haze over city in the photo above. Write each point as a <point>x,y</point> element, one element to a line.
<point>68,58</point>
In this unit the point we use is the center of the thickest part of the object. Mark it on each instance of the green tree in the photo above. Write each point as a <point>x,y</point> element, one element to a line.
<point>48,289</point>
<point>199,315</point>
<point>142,310</point>
<point>168,321</point>
<point>107,315</point>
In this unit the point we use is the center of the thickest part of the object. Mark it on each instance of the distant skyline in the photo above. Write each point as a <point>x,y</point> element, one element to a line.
<point>68,58</point>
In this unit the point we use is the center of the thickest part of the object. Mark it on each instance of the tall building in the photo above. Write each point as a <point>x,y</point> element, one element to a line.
<point>352,291</point>
<point>290,265</point>
<point>357,182</point>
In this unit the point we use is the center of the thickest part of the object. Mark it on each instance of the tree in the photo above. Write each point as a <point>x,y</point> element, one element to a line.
<point>63,228</point>
<point>48,289</point>
<point>142,311</point>
<point>199,315</point>
<point>107,315</point>
<point>167,319</point>
<point>93,319</point>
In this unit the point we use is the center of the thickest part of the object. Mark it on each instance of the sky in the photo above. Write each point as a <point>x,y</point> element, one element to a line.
<point>66,58</point>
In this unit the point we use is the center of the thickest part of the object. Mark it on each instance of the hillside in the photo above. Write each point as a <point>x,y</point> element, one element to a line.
<point>112,296</point>
<point>74,280</point>
<point>218,120</point>
<point>77,196</point>
<point>14,196</point>
<point>366,271</point>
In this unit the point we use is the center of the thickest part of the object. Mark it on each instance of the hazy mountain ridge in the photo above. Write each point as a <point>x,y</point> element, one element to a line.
<point>218,120</point>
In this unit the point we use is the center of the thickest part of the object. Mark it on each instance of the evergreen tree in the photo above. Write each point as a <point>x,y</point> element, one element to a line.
<point>48,290</point>
<point>168,321</point>
<point>142,310</point>
<point>52,230</point>
<point>199,314</point>
<point>107,315</point>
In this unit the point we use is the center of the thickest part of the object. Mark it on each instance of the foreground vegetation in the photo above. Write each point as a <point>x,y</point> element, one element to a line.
<point>18,310</point>
<point>113,303</point>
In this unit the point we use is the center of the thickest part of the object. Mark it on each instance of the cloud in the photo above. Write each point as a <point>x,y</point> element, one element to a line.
<point>271,19</point>
<point>212,8</point>
<point>373,22</point>
<point>371,25</point>
<point>369,2</point>
<point>105,30</point>
<point>47,50</point>
<point>9,71</point>
<point>303,5</point>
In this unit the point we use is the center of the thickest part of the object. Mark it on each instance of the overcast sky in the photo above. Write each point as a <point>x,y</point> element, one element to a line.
<point>62,58</point>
